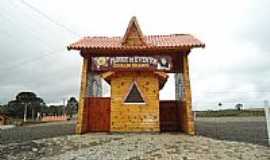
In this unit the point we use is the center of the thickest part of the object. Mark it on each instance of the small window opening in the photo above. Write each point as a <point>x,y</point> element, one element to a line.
<point>134,96</point>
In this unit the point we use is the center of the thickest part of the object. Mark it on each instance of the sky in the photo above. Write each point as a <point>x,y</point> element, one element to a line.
<point>232,68</point>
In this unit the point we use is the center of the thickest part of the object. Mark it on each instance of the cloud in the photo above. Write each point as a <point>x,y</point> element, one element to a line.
<point>233,68</point>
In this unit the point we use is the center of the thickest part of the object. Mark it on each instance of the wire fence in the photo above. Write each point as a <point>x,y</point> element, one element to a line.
<point>241,129</point>
<point>243,125</point>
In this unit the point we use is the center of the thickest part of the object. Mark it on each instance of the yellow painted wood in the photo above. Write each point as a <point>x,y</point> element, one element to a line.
<point>187,115</point>
<point>81,126</point>
<point>135,117</point>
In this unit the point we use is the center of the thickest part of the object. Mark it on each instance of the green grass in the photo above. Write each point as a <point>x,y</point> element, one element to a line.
<point>19,122</point>
<point>229,113</point>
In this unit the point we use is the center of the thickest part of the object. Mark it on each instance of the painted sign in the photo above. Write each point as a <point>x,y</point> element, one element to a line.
<point>131,62</point>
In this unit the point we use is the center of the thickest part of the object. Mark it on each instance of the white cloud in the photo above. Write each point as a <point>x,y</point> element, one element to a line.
<point>234,60</point>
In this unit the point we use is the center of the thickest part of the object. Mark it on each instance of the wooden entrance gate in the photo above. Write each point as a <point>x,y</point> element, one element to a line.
<point>169,116</point>
<point>98,114</point>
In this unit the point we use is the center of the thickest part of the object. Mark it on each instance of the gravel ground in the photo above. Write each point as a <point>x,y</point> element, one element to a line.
<point>165,146</point>
<point>38,131</point>
<point>241,129</point>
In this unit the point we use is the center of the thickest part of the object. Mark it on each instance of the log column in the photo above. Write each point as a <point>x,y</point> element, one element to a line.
<point>187,120</point>
<point>82,112</point>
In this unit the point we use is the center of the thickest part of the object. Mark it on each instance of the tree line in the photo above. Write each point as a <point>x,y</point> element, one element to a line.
<point>30,105</point>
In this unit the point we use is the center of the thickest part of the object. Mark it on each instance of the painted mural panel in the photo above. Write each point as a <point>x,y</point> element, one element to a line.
<point>94,85</point>
<point>160,63</point>
<point>179,87</point>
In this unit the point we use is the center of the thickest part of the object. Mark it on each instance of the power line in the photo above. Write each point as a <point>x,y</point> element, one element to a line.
<point>237,92</point>
<point>9,19</point>
<point>30,31</point>
<point>24,27</point>
<point>22,64</point>
<point>47,17</point>
<point>28,60</point>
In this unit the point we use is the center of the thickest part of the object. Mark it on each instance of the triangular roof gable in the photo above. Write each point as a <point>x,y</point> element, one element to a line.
<point>134,94</point>
<point>133,35</point>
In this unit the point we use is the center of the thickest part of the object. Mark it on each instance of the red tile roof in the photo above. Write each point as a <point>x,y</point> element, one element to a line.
<point>174,41</point>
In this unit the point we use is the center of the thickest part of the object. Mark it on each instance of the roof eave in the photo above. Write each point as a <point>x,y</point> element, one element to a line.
<point>136,48</point>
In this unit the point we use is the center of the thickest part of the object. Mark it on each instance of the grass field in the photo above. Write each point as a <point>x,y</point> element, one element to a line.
<point>249,129</point>
<point>230,113</point>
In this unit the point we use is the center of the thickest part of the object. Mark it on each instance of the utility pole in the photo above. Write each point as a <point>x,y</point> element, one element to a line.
<point>25,112</point>
<point>64,106</point>
<point>267,117</point>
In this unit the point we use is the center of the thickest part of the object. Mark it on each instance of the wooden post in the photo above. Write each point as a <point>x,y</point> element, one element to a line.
<point>188,121</point>
<point>82,113</point>
<point>267,117</point>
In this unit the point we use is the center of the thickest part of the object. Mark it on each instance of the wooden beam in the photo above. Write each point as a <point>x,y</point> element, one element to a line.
<point>82,113</point>
<point>107,75</point>
<point>188,121</point>
<point>162,77</point>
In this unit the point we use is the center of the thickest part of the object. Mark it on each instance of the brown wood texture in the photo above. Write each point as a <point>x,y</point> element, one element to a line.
<point>169,112</point>
<point>187,121</point>
<point>133,35</point>
<point>135,117</point>
<point>175,54</point>
<point>81,126</point>
<point>98,114</point>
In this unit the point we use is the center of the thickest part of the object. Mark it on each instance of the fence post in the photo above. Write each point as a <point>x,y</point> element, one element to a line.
<point>267,117</point>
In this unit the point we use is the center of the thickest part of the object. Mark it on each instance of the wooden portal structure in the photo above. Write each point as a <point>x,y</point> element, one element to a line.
<point>136,67</point>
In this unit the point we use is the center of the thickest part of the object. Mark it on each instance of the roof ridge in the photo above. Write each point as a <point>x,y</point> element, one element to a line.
<point>152,41</point>
<point>151,35</point>
<point>166,35</point>
<point>133,24</point>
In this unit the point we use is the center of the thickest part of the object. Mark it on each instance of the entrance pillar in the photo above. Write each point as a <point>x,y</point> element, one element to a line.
<point>187,115</point>
<point>81,126</point>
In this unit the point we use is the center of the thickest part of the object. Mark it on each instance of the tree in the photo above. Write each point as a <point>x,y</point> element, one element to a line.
<point>25,103</point>
<point>72,106</point>
<point>2,109</point>
<point>239,106</point>
<point>14,109</point>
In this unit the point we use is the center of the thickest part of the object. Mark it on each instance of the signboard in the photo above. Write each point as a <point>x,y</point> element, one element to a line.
<point>160,63</point>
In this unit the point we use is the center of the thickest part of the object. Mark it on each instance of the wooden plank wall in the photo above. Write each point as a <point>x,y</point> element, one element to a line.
<point>98,109</point>
<point>169,116</point>
<point>81,126</point>
<point>135,117</point>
